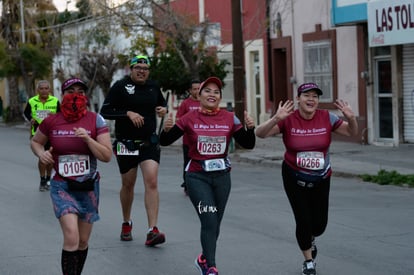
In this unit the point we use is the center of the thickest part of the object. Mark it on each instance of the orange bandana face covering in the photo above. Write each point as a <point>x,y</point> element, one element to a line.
<point>209,112</point>
<point>74,106</point>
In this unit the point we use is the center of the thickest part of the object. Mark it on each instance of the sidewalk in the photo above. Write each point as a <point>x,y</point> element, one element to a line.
<point>347,159</point>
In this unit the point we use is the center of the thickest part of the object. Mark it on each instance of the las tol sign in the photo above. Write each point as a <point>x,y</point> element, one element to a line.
<point>390,22</point>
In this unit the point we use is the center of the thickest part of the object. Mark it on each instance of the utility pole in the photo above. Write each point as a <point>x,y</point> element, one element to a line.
<point>238,59</point>
<point>22,21</point>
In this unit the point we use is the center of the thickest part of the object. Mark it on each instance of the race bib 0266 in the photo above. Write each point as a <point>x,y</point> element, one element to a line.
<point>74,165</point>
<point>310,160</point>
<point>207,145</point>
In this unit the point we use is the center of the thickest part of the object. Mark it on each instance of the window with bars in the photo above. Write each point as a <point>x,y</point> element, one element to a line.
<point>318,66</point>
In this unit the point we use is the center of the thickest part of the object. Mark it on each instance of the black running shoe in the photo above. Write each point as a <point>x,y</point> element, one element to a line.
<point>43,185</point>
<point>308,268</point>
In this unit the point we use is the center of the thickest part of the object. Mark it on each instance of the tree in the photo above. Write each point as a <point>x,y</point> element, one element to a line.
<point>29,49</point>
<point>96,39</point>
<point>98,68</point>
<point>176,43</point>
<point>168,68</point>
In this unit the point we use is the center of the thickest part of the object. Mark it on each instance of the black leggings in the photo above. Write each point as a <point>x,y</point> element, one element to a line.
<point>209,193</point>
<point>309,205</point>
<point>186,159</point>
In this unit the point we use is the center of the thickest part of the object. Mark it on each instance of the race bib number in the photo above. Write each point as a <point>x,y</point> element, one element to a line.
<point>211,145</point>
<point>42,114</point>
<point>310,160</point>
<point>121,150</point>
<point>211,165</point>
<point>74,165</point>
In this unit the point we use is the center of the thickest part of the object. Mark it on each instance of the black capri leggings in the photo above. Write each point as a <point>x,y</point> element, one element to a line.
<point>209,193</point>
<point>309,205</point>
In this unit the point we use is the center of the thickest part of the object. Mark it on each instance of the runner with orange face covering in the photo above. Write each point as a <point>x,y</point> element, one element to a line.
<point>78,139</point>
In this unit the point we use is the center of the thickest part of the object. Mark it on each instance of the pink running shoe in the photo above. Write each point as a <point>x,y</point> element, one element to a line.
<point>201,264</point>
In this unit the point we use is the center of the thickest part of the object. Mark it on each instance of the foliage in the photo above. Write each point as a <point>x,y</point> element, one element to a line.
<point>6,62</point>
<point>169,70</point>
<point>36,61</point>
<point>98,68</point>
<point>84,8</point>
<point>178,44</point>
<point>29,59</point>
<point>389,177</point>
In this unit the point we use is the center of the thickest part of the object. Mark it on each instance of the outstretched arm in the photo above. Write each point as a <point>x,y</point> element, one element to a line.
<point>269,127</point>
<point>349,127</point>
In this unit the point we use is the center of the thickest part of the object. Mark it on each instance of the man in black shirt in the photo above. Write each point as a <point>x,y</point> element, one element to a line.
<point>134,102</point>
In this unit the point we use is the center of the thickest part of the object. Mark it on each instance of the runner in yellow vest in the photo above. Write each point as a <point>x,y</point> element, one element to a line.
<point>37,109</point>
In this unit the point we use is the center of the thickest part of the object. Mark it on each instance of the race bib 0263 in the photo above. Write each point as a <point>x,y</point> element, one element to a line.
<point>207,145</point>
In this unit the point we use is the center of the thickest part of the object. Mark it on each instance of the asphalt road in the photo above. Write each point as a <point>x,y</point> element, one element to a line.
<point>369,231</point>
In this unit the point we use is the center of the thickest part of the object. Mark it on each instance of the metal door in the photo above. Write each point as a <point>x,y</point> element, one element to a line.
<point>383,100</point>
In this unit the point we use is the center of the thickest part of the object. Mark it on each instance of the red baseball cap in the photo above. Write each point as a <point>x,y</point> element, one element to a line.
<point>212,79</point>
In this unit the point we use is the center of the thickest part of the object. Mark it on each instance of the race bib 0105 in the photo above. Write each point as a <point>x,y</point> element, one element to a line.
<point>74,165</point>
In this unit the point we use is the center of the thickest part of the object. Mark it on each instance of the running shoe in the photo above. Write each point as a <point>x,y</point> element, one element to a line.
<point>43,185</point>
<point>154,237</point>
<point>308,267</point>
<point>126,234</point>
<point>201,264</point>
<point>212,271</point>
<point>314,249</point>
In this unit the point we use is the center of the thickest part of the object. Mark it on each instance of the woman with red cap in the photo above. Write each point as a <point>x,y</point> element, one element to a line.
<point>78,139</point>
<point>209,131</point>
<point>306,169</point>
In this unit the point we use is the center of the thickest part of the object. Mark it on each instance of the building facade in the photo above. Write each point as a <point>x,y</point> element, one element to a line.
<point>388,34</point>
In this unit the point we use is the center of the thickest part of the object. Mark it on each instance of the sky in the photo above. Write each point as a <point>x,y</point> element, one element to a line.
<point>71,4</point>
<point>61,4</point>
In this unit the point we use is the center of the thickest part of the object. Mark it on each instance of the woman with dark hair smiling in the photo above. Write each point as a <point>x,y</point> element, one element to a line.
<point>306,169</point>
<point>209,131</point>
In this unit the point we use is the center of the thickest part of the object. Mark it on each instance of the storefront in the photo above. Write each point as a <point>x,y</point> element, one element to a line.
<point>389,59</point>
<point>391,42</point>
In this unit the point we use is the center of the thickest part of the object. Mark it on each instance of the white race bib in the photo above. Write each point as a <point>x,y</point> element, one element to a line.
<point>211,165</point>
<point>310,160</point>
<point>121,150</point>
<point>42,114</point>
<point>207,145</point>
<point>74,165</point>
